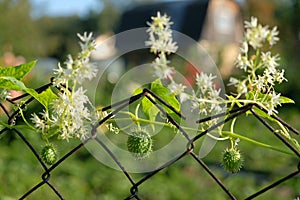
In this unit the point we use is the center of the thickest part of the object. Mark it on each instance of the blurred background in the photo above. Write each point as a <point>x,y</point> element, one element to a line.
<point>46,31</point>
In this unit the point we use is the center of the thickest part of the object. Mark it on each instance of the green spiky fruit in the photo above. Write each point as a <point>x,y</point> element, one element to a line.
<point>232,160</point>
<point>139,143</point>
<point>49,154</point>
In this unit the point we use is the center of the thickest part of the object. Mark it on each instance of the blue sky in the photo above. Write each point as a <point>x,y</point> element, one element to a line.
<point>64,7</point>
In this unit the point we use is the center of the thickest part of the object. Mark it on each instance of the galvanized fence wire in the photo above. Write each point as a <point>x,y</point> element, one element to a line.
<point>117,107</point>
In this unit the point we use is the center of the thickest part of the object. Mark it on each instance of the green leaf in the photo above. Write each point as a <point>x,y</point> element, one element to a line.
<point>149,109</point>
<point>18,72</point>
<point>10,76</point>
<point>165,94</point>
<point>45,98</point>
<point>283,100</point>
<point>11,83</point>
<point>10,79</point>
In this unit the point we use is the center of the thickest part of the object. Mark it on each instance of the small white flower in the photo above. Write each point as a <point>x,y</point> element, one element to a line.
<point>274,102</point>
<point>162,70</point>
<point>164,73</point>
<point>276,99</point>
<point>269,76</point>
<point>242,88</point>
<point>86,38</point>
<point>215,94</point>
<point>269,60</point>
<point>252,23</point>
<point>240,85</point>
<point>38,123</point>
<point>160,35</point>
<point>243,62</point>
<point>233,81</point>
<point>263,32</point>
<point>256,34</point>
<point>279,76</point>
<point>72,114</point>
<point>272,36</point>
<point>159,22</point>
<point>207,98</point>
<point>205,81</point>
<point>260,83</point>
<point>244,48</point>
<point>79,69</point>
<point>176,88</point>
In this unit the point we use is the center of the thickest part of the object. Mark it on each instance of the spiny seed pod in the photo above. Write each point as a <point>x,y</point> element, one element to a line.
<point>139,143</point>
<point>232,160</point>
<point>49,154</point>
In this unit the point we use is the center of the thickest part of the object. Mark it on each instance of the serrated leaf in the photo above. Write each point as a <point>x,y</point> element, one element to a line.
<point>283,99</point>
<point>18,72</point>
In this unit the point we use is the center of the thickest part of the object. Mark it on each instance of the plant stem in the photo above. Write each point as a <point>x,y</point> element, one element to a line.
<point>26,122</point>
<point>234,135</point>
<point>229,134</point>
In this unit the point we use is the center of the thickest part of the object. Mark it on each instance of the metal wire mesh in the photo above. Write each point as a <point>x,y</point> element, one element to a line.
<point>190,144</point>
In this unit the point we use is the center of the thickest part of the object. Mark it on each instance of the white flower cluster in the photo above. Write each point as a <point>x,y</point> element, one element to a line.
<point>71,114</point>
<point>206,99</point>
<point>161,43</point>
<point>76,71</point>
<point>261,67</point>
<point>256,34</point>
<point>160,35</point>
<point>207,96</point>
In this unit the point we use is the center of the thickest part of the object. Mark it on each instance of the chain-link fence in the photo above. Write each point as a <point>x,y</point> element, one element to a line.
<point>133,192</point>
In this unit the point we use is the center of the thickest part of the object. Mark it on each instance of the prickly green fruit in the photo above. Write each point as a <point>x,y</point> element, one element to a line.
<point>232,160</point>
<point>49,154</point>
<point>139,143</point>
